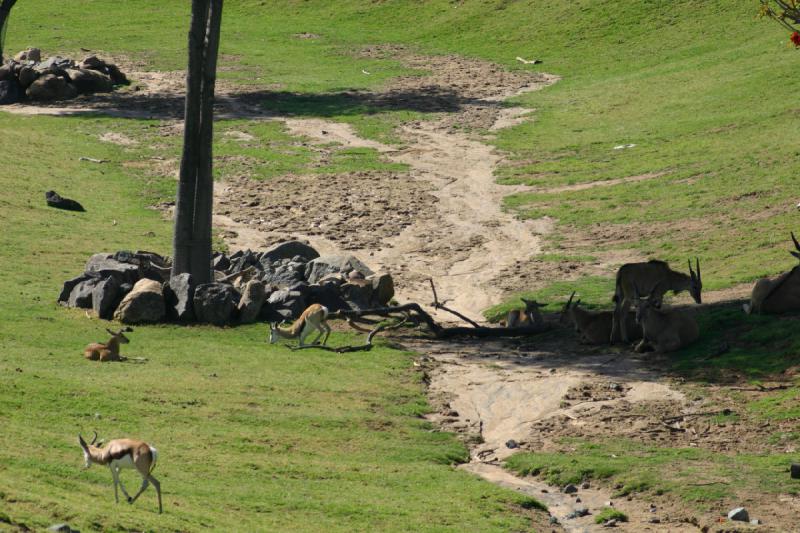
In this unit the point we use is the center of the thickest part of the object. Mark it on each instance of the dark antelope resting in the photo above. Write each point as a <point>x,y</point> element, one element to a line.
<point>779,294</point>
<point>109,351</point>
<point>664,330</point>
<point>654,278</point>
<point>594,327</point>
<point>124,453</point>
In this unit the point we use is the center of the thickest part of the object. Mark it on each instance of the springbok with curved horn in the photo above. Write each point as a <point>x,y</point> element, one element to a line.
<point>313,318</point>
<point>124,453</point>
<point>109,351</point>
<point>526,317</point>
<point>648,277</point>
<point>779,294</point>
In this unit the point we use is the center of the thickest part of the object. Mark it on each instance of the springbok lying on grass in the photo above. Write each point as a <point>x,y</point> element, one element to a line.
<point>527,316</point>
<point>313,318</point>
<point>109,351</point>
<point>665,330</point>
<point>124,453</point>
<point>779,294</point>
<point>594,327</point>
<point>654,278</point>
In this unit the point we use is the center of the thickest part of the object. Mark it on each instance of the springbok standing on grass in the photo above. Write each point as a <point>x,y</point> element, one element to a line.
<point>124,453</point>
<point>109,351</point>
<point>526,317</point>
<point>654,278</point>
<point>313,318</point>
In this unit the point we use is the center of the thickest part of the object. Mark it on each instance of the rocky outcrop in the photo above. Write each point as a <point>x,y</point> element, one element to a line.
<point>214,303</point>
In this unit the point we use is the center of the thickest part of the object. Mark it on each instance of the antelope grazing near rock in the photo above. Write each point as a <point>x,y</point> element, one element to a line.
<point>665,330</point>
<point>655,278</point>
<point>313,318</point>
<point>124,453</point>
<point>109,351</point>
<point>780,294</point>
<point>594,327</point>
<point>520,318</point>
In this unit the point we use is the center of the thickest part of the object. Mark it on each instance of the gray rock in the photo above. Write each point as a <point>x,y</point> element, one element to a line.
<point>151,265</point>
<point>288,304</point>
<point>53,199</point>
<point>69,285</point>
<point>104,265</point>
<point>334,264</point>
<point>106,297</point>
<point>511,444</point>
<point>794,471</point>
<point>179,296</point>
<point>577,513</point>
<point>145,303</point>
<point>220,262</point>
<point>48,87</point>
<point>214,303</point>
<point>739,514</point>
<point>383,289</point>
<point>9,92</point>
<point>89,81</point>
<point>116,75</point>
<point>282,276</point>
<point>570,489</point>
<point>289,250</point>
<point>83,294</point>
<point>31,54</point>
<point>92,62</point>
<point>62,528</point>
<point>253,298</point>
<point>7,72</point>
<point>27,75</point>
<point>358,293</point>
<point>328,296</point>
<point>55,65</point>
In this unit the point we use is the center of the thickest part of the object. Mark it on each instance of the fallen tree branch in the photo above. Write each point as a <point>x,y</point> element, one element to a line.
<point>437,305</point>
<point>367,346</point>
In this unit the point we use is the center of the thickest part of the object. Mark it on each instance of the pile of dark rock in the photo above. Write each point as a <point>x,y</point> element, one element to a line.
<point>273,285</point>
<point>55,78</point>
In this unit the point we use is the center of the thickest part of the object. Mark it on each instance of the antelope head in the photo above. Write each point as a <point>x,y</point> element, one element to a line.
<point>567,306</point>
<point>120,335</point>
<point>87,456</point>
<point>696,283</point>
<point>643,303</point>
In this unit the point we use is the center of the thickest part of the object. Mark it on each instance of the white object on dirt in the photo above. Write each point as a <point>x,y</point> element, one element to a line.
<point>529,61</point>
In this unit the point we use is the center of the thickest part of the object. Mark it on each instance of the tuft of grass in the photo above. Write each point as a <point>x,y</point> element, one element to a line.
<point>610,514</point>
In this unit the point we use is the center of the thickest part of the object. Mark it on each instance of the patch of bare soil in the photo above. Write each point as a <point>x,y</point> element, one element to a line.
<point>507,396</point>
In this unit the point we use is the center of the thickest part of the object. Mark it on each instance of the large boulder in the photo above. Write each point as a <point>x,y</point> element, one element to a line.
<point>214,303</point>
<point>106,296</point>
<point>7,72</point>
<point>83,294</point>
<point>69,285</point>
<point>26,76</point>
<point>145,303</point>
<point>358,293</point>
<point>289,250</point>
<point>382,288</point>
<point>9,92</point>
<point>285,273</point>
<point>253,297</point>
<point>179,297</point>
<point>50,87</point>
<point>151,265</point>
<point>287,304</point>
<point>55,65</point>
<point>334,264</point>
<point>220,262</point>
<point>328,295</point>
<point>109,69</point>
<point>104,265</point>
<point>89,81</point>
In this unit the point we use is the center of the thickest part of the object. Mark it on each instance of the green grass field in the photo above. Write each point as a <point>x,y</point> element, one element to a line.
<point>253,437</point>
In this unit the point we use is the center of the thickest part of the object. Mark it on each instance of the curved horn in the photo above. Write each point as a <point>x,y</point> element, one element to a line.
<point>796,245</point>
<point>571,296</point>
<point>94,439</point>
<point>81,441</point>
<point>697,266</point>
<point>691,272</point>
